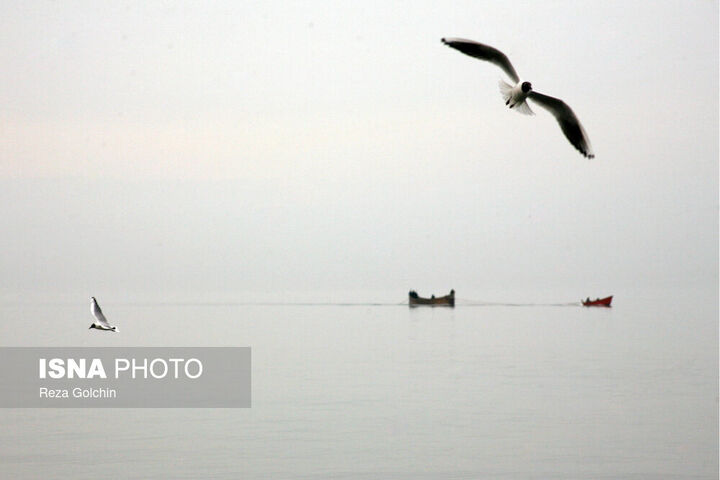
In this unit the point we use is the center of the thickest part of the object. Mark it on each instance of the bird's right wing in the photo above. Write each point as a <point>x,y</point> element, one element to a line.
<point>483,52</point>
<point>99,315</point>
<point>569,123</point>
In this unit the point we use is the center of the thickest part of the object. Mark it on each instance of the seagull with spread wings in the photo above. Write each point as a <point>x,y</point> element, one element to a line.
<point>516,95</point>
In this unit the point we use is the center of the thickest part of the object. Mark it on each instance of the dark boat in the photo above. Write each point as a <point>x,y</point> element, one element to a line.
<point>598,302</point>
<point>447,301</point>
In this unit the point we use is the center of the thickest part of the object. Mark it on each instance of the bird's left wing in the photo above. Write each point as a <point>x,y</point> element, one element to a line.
<point>483,52</point>
<point>569,123</point>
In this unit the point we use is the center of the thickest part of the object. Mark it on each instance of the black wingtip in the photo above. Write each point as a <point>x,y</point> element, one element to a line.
<point>585,154</point>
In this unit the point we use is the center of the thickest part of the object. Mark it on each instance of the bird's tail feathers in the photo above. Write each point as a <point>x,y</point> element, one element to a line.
<point>523,108</point>
<point>505,89</point>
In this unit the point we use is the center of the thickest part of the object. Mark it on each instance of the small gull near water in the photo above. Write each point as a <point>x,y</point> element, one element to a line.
<point>101,322</point>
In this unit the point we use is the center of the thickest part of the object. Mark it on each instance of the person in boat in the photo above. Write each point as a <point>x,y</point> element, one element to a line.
<point>452,292</point>
<point>587,300</point>
<point>413,294</point>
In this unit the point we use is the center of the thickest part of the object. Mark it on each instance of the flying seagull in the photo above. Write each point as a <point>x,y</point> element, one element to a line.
<point>516,96</point>
<point>101,323</point>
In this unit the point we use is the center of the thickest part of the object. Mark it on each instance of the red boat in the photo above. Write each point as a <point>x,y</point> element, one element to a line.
<point>598,302</point>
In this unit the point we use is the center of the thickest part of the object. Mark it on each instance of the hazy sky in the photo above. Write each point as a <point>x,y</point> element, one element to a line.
<point>197,147</point>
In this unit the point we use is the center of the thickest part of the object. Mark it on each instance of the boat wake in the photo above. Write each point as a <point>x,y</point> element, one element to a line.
<point>475,303</point>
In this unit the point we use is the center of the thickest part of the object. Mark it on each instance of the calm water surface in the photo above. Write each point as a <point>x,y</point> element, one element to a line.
<point>384,391</point>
